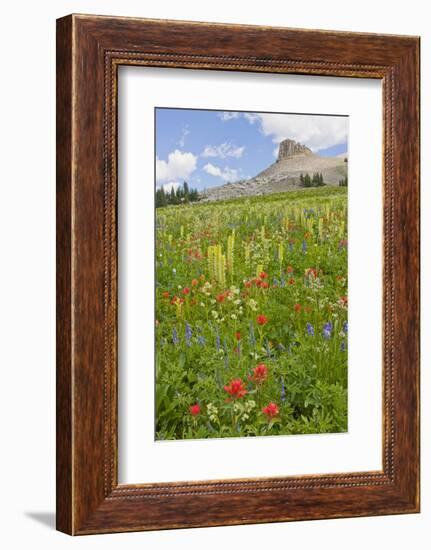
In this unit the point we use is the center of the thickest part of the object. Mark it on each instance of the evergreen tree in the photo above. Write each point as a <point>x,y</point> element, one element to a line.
<point>182,194</point>
<point>160,197</point>
<point>307,180</point>
<point>172,199</point>
<point>186,191</point>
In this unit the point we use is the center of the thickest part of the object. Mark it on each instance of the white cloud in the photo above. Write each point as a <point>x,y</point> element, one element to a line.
<point>212,170</point>
<point>227,174</point>
<point>317,132</point>
<point>251,117</point>
<point>185,132</point>
<point>171,185</point>
<point>223,150</point>
<point>178,166</point>
<point>228,115</point>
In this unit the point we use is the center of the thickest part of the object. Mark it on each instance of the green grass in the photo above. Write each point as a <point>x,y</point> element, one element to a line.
<point>221,268</point>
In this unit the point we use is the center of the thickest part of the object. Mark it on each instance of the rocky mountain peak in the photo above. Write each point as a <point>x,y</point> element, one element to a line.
<point>290,148</point>
<point>284,174</point>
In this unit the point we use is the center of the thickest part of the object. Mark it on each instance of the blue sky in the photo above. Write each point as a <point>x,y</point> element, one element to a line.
<point>210,148</point>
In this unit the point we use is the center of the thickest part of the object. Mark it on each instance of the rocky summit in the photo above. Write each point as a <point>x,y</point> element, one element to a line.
<point>284,174</point>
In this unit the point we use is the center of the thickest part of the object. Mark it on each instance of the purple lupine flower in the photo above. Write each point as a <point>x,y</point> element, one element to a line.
<point>189,333</point>
<point>283,391</point>
<point>217,340</point>
<point>251,335</point>
<point>309,212</point>
<point>175,339</point>
<point>218,379</point>
<point>327,329</point>
<point>268,351</point>
<point>282,283</point>
<point>343,346</point>
<point>201,340</point>
<point>275,281</point>
<point>310,329</point>
<point>304,247</point>
<point>345,327</point>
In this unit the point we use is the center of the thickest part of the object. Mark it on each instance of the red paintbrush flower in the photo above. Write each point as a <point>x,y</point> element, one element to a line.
<point>260,374</point>
<point>310,272</point>
<point>238,336</point>
<point>271,410</point>
<point>261,319</point>
<point>195,409</point>
<point>235,388</point>
<point>342,301</point>
<point>221,297</point>
<point>297,308</point>
<point>263,275</point>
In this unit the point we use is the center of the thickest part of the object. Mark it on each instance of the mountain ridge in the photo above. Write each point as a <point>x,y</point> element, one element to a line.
<point>284,174</point>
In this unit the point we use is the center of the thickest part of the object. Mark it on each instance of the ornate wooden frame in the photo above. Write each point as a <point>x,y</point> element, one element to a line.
<point>89,51</point>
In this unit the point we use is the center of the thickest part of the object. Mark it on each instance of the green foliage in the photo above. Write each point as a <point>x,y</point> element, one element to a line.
<point>315,181</point>
<point>307,181</point>
<point>181,195</point>
<point>272,291</point>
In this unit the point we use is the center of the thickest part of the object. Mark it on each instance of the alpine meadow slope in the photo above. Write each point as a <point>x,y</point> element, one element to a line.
<point>284,174</point>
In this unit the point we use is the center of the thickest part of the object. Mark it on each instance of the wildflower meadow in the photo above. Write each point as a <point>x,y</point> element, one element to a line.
<point>251,316</point>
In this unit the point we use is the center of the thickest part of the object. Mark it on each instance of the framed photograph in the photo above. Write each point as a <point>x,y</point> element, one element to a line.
<point>237,274</point>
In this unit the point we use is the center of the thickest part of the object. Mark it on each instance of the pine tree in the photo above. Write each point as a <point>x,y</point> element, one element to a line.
<point>182,194</point>
<point>160,197</point>
<point>172,198</point>
<point>186,191</point>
